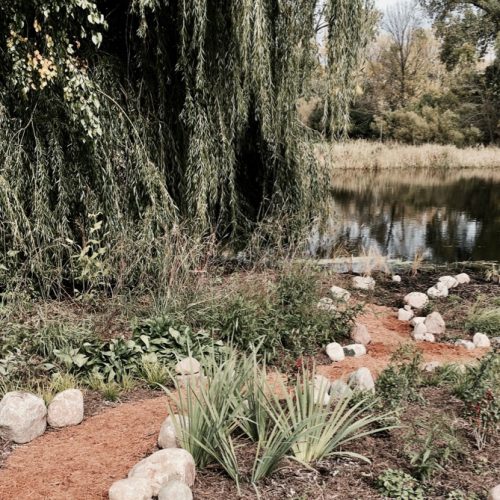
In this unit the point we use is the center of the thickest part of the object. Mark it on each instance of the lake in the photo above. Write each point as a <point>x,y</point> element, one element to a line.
<point>445,215</point>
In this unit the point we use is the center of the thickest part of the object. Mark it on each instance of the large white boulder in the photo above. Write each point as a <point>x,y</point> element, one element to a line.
<point>435,323</point>
<point>188,366</point>
<point>132,488</point>
<point>462,278</point>
<point>164,466</point>
<point>405,315</point>
<point>168,437</point>
<point>419,328</point>
<point>417,300</point>
<point>363,282</point>
<point>494,493</point>
<point>355,350</point>
<point>175,490</point>
<point>335,351</point>
<point>66,409</point>
<point>362,380</point>
<point>23,417</point>
<point>360,334</point>
<point>340,293</point>
<point>481,340</point>
<point>439,290</point>
<point>449,281</point>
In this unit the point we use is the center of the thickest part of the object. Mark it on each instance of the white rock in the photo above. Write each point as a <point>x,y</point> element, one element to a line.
<point>193,380</point>
<point>320,397</point>
<point>188,366</point>
<point>449,281</point>
<point>355,350</point>
<point>494,493</point>
<point>481,340</point>
<point>362,380</point>
<point>417,320</point>
<point>136,488</point>
<point>431,366</point>
<point>419,329</point>
<point>466,343</point>
<point>335,351</point>
<point>396,278</point>
<point>164,466</point>
<point>175,490</point>
<point>339,389</point>
<point>435,323</point>
<point>424,337</point>
<point>363,282</point>
<point>360,334</point>
<point>462,278</point>
<point>66,409</point>
<point>417,300</point>
<point>326,304</point>
<point>321,384</point>
<point>168,436</point>
<point>407,308</point>
<point>437,291</point>
<point>23,417</point>
<point>404,315</point>
<point>339,293</point>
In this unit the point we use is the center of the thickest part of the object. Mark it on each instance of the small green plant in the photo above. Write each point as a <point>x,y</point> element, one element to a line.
<point>400,381</point>
<point>154,373</point>
<point>479,388</point>
<point>395,483</point>
<point>431,446</point>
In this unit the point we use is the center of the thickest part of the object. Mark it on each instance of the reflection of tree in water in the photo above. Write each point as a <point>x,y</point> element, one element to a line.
<point>455,220</point>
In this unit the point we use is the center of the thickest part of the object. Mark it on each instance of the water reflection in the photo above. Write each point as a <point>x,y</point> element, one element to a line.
<point>447,215</point>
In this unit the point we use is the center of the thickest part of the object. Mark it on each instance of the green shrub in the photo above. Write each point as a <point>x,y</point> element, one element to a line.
<point>485,321</point>
<point>479,388</point>
<point>395,483</point>
<point>400,381</point>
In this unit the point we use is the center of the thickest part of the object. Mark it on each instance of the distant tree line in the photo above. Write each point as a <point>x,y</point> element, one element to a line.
<point>429,84</point>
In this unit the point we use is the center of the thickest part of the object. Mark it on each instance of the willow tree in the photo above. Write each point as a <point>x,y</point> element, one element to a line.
<point>163,110</point>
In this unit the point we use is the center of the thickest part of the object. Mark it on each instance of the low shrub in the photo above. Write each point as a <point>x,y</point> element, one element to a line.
<point>395,483</point>
<point>400,381</point>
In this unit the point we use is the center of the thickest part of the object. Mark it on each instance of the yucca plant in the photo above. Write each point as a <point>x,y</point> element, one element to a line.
<point>329,427</point>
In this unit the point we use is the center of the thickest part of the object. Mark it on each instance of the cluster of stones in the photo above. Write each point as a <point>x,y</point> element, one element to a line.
<point>359,334</point>
<point>170,472</point>
<point>427,328</point>
<point>362,378</point>
<point>24,416</point>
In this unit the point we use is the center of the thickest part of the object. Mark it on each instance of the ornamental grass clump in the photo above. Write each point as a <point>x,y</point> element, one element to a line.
<point>240,404</point>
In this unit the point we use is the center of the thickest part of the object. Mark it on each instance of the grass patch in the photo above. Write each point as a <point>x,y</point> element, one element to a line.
<point>485,321</point>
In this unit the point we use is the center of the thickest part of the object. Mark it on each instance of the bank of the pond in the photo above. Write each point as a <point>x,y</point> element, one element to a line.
<point>363,154</point>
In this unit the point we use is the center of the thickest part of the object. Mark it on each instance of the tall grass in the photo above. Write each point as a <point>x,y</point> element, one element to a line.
<point>363,154</point>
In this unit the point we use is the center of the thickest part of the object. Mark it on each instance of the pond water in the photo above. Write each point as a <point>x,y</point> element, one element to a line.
<point>443,215</point>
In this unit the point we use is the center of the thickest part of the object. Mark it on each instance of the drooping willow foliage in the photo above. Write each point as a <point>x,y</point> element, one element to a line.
<point>156,113</point>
